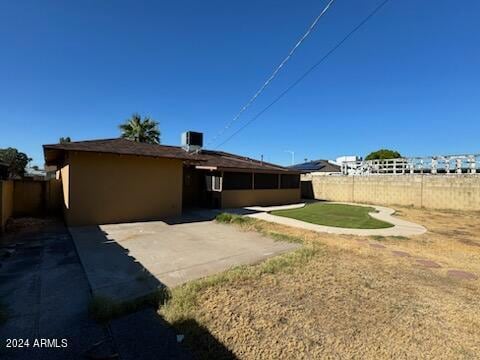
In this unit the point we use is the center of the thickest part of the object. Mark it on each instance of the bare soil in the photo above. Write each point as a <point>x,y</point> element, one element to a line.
<point>352,300</point>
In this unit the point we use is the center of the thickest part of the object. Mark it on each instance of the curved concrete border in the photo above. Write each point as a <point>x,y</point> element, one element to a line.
<point>400,228</point>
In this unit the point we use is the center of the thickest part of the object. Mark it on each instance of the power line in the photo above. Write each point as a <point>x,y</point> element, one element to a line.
<point>304,75</point>
<point>275,72</point>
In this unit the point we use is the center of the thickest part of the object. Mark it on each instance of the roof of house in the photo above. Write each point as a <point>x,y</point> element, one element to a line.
<point>205,158</point>
<point>223,161</point>
<point>316,166</point>
<point>115,146</point>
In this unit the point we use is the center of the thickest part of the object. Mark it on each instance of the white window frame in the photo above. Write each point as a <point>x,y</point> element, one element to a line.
<point>220,182</point>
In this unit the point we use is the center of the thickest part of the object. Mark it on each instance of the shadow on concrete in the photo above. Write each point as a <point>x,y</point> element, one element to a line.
<point>199,215</point>
<point>192,216</point>
<point>45,293</point>
<point>135,295</point>
<point>111,272</point>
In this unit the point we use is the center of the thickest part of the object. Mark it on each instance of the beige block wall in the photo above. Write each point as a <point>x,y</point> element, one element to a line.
<point>458,192</point>
<point>401,190</point>
<point>107,188</point>
<point>240,198</point>
<point>6,202</point>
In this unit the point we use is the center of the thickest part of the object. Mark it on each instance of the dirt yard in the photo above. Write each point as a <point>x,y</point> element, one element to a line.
<point>353,298</point>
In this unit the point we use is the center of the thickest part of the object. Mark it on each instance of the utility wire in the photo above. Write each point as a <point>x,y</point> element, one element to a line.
<point>275,72</point>
<point>304,75</point>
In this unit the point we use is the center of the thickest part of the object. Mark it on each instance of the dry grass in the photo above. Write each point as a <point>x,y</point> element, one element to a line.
<point>348,300</point>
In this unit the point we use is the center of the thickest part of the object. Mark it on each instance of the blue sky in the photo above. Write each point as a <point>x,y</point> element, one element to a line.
<point>408,80</point>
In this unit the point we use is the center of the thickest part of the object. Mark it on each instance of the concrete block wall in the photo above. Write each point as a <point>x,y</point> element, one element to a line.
<point>454,191</point>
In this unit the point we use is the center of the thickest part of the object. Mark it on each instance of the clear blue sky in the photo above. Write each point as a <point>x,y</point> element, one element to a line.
<point>409,80</point>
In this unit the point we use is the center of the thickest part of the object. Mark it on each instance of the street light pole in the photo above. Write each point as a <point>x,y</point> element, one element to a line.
<point>293,156</point>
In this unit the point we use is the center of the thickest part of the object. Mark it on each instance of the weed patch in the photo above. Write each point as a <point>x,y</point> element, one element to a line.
<point>183,301</point>
<point>103,309</point>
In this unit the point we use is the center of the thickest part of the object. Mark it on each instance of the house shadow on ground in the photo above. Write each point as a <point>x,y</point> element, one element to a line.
<point>145,334</point>
<point>201,214</point>
<point>61,306</point>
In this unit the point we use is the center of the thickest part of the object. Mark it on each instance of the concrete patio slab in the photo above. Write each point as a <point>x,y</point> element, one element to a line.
<point>125,261</point>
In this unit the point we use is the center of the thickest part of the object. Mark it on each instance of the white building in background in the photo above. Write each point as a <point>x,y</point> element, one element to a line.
<point>347,158</point>
<point>348,163</point>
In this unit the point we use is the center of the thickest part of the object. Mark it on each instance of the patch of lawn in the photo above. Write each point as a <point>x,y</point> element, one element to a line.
<point>254,225</point>
<point>227,218</point>
<point>338,215</point>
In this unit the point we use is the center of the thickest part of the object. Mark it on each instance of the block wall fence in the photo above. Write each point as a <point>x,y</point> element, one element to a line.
<point>28,198</point>
<point>453,191</point>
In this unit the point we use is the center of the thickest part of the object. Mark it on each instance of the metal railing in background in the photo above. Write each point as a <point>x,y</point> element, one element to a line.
<point>447,164</point>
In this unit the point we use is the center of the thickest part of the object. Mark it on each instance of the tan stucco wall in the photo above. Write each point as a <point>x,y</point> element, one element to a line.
<point>6,202</point>
<point>104,188</point>
<point>456,192</point>
<point>240,198</point>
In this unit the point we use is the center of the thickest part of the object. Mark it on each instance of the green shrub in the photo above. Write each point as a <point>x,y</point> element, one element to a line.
<point>233,219</point>
<point>383,154</point>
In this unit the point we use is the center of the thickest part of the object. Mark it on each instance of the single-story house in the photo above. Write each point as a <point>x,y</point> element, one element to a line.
<point>317,167</point>
<point>118,180</point>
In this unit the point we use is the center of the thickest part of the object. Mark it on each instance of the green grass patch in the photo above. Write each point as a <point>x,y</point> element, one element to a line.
<point>103,309</point>
<point>227,218</point>
<point>253,224</point>
<point>282,237</point>
<point>338,215</point>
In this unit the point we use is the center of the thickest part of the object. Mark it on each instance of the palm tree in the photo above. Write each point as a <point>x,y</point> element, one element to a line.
<point>139,130</point>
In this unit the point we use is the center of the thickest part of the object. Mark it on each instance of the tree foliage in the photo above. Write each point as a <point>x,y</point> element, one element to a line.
<point>64,140</point>
<point>139,130</point>
<point>16,161</point>
<point>383,154</point>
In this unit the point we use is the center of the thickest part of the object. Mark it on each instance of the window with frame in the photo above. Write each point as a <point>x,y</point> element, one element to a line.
<point>265,181</point>
<point>289,181</point>
<point>237,181</point>
<point>217,183</point>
